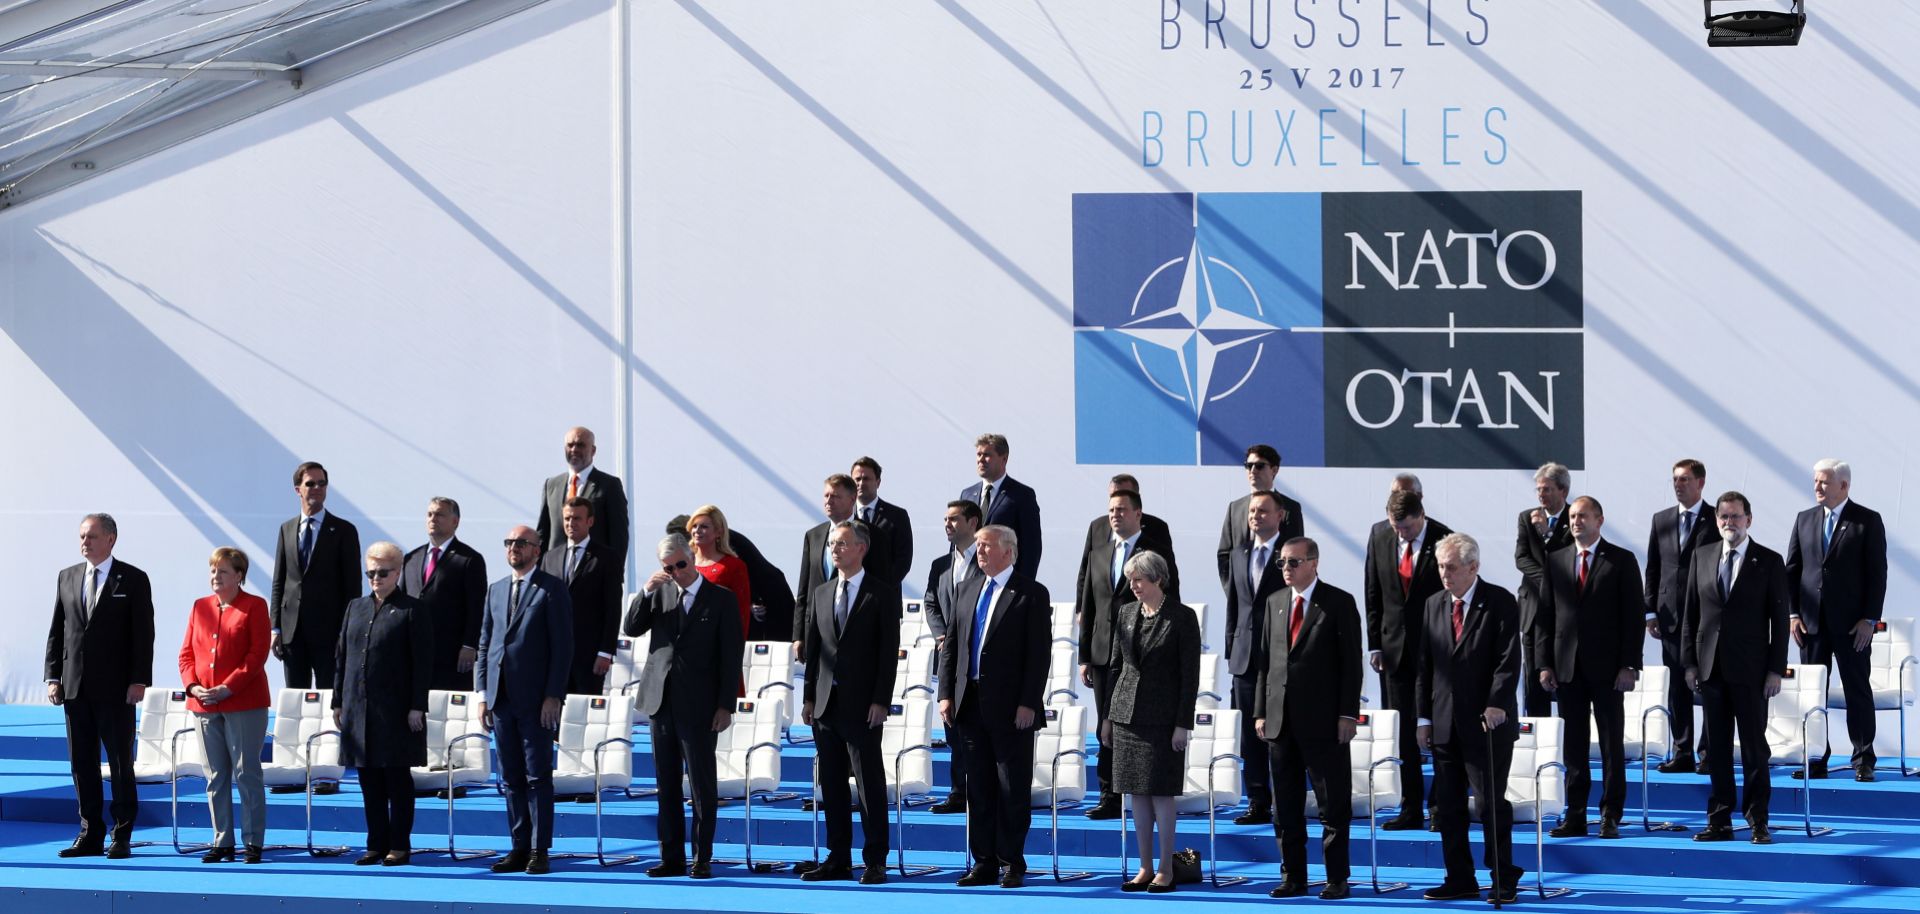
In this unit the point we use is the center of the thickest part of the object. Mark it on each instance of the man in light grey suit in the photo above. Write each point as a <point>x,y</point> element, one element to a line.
<point>582,479</point>
<point>526,640</point>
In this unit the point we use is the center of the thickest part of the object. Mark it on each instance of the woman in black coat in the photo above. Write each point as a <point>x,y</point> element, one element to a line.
<point>1150,716</point>
<point>383,664</point>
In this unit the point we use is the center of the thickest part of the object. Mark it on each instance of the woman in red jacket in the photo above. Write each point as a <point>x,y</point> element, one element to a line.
<point>223,663</point>
<point>713,556</point>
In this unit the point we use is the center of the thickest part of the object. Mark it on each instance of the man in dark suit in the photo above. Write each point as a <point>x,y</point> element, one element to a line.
<point>1103,590</point>
<point>1401,575</point>
<point>1313,640</point>
<point>1253,575</point>
<point>1592,627</point>
<point>526,641</point>
<point>99,664</point>
<point>1675,533</point>
<point>583,480</point>
<point>1469,670</point>
<point>1837,563</point>
<point>1006,501</point>
<point>1541,530</point>
<point>945,579</point>
<point>1263,463</point>
<point>772,595</point>
<point>593,577</point>
<point>853,650</point>
<point>816,565</point>
<point>449,578</point>
<point>316,573</point>
<point>991,679</point>
<point>886,521</point>
<point>1100,530</point>
<point>1734,644</point>
<point>699,623</point>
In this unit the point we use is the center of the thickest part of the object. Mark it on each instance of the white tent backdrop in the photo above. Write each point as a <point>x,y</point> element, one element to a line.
<point>853,231</point>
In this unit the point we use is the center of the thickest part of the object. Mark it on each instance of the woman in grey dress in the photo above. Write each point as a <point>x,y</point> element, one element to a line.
<point>1150,716</point>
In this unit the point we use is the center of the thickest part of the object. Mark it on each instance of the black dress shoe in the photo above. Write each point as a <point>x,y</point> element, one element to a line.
<point>1335,891</point>
<point>1402,822</point>
<point>81,847</point>
<point>326,790</point>
<point>830,871</point>
<point>948,806</point>
<point>1288,890</point>
<point>1016,878</point>
<point>1255,815</point>
<point>1451,892</point>
<point>1761,835</point>
<point>514,862</point>
<point>1863,775</point>
<point>119,849</point>
<point>979,875</point>
<point>218,855</point>
<point>1505,894</point>
<point>369,858</point>
<point>253,853</point>
<point>1570,828</point>
<point>1819,771</point>
<point>1433,825</point>
<point>1714,833</point>
<point>701,869</point>
<point>1159,888</point>
<point>1610,828</point>
<point>660,870</point>
<point>537,863</point>
<point>397,858</point>
<point>1107,808</point>
<point>1135,885</point>
<point>873,875</point>
<point>1675,766</point>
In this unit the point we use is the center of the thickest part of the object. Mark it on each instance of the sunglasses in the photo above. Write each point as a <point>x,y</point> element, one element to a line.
<point>1257,465</point>
<point>376,574</point>
<point>673,566</point>
<point>517,542</point>
<point>1295,563</point>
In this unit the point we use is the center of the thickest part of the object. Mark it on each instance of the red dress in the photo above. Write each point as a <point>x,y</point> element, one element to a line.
<point>228,647</point>
<point>731,572</point>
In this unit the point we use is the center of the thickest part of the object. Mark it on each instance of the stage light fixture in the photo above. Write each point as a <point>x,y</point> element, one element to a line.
<point>1756,28</point>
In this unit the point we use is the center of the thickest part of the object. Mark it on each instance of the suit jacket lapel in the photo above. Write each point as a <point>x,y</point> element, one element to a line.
<point>1476,613</point>
<point>1003,598</point>
<point>1307,620</point>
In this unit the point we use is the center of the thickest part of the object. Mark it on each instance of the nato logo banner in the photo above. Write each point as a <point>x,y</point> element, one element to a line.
<point>1352,330</point>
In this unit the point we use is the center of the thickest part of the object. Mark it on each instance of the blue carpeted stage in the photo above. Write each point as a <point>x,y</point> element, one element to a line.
<point>1871,862</point>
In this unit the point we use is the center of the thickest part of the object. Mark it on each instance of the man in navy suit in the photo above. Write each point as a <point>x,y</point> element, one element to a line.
<point>99,664</point>
<point>449,578</point>
<point>1253,575</point>
<point>889,525</point>
<point>526,640</point>
<point>1837,563</point>
<point>316,573</point>
<point>1005,501</point>
<point>1675,533</point>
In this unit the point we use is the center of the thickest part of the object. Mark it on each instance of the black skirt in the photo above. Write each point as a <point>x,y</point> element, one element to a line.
<point>1145,763</point>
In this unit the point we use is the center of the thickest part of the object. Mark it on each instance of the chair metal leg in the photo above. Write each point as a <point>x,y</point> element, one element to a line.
<point>1540,832</point>
<point>808,866</point>
<point>453,850</point>
<point>1053,811</point>
<point>313,851</point>
<point>1213,855</point>
<point>1901,675</point>
<point>1124,875</point>
<point>765,796</point>
<point>173,782</point>
<point>599,810</point>
<point>1646,758</point>
<point>1373,830</point>
<point>900,814</point>
<point>1806,773</point>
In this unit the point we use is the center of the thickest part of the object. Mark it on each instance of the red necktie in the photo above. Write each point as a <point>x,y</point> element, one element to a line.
<point>1459,618</point>
<point>433,558</point>
<point>573,486</point>
<point>1583,569</point>
<point>1406,569</point>
<point>1293,623</point>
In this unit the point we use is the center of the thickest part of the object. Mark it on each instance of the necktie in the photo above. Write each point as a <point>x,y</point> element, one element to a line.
<point>986,497</point>
<point>1826,537</point>
<point>686,601</point>
<point>866,515</point>
<point>573,486</point>
<point>513,601</point>
<point>1293,621</point>
<point>433,559</point>
<point>1406,569</point>
<point>1726,576</point>
<point>1120,557</point>
<point>1259,569</point>
<point>980,625</point>
<point>840,609</point>
<point>1459,618</point>
<point>573,561</point>
<point>1686,528</point>
<point>1583,568</point>
<point>1552,519</point>
<point>91,598</point>
<point>306,541</point>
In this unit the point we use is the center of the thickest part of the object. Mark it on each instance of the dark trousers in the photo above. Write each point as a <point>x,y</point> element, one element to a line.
<point>526,768</point>
<point>309,660</point>
<point>1535,700</point>
<point>846,746</point>
<point>1833,648</point>
<point>92,724</point>
<point>1255,766</point>
<point>582,681</point>
<point>1688,740</point>
<point>1727,706</point>
<point>1396,694</point>
<point>446,674</point>
<point>1578,699</point>
<point>387,796</point>
<point>686,746</point>
<point>999,788</point>
<point>1103,695</point>
<point>1326,766</point>
<point>957,747</point>
<point>1457,763</point>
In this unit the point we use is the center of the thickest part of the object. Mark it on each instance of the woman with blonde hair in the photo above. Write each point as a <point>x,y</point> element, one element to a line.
<point>713,557</point>
<point>227,693</point>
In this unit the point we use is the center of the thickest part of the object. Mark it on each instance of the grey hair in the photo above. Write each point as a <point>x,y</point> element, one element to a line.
<point>1556,473</point>
<point>385,550</point>
<point>1005,536</point>
<point>1147,564</point>
<point>1409,482</point>
<point>105,521</point>
<point>858,529</point>
<point>1840,469</point>
<point>1464,547</point>
<point>673,544</point>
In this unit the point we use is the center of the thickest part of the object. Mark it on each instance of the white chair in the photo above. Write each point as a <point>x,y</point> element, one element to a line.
<point>1892,653</point>
<point>623,678</point>
<point>768,670</point>
<point>1063,673</point>
<point>913,672</point>
<point>906,751</point>
<point>163,713</point>
<point>1066,625</point>
<point>1209,696</point>
<point>914,627</point>
<point>595,755</point>
<point>1060,771</point>
<point>1537,787</point>
<point>1374,754</point>
<point>1200,614</point>
<point>459,755</point>
<point>306,751</point>
<point>1645,736</point>
<point>1792,732</point>
<point>1212,777</point>
<point>747,759</point>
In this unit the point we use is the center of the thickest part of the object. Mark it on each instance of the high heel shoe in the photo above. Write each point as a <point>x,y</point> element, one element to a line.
<point>218,855</point>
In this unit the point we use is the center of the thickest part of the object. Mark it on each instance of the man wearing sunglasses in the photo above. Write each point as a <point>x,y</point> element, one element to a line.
<point>526,641</point>
<point>1262,464</point>
<point>316,572</point>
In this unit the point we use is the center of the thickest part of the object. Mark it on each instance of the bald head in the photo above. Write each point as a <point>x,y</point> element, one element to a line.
<point>580,448</point>
<point>523,548</point>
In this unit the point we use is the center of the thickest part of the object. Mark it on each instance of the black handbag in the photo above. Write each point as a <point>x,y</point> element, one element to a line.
<point>1186,866</point>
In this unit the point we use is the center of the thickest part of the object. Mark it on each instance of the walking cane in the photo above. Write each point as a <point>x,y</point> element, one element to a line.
<point>1490,822</point>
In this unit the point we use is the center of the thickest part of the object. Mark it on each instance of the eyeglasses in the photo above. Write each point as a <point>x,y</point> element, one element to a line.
<point>1257,465</point>
<point>673,566</point>
<point>314,484</point>
<point>1295,563</point>
<point>376,574</point>
<point>517,542</point>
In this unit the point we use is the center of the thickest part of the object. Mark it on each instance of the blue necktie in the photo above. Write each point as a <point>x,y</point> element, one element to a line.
<point>980,626</point>
<point>1826,537</point>
<point>1120,557</point>
<point>1726,576</point>
<point>306,542</point>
